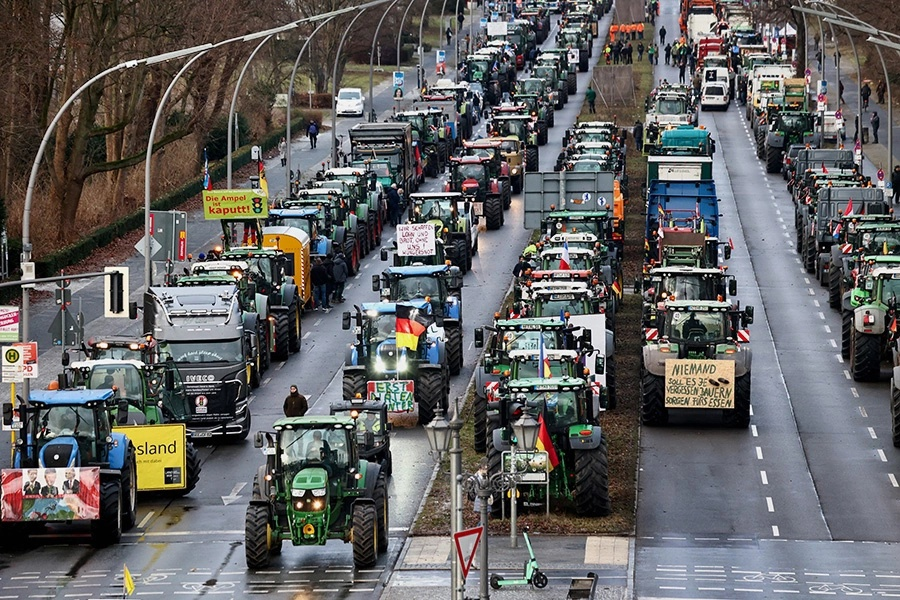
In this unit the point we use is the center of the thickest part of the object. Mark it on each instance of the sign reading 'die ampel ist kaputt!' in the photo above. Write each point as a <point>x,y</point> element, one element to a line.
<point>415,239</point>
<point>235,204</point>
<point>699,383</point>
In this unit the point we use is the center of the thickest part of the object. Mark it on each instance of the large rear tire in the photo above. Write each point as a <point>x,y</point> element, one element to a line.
<point>262,336</point>
<point>809,254</point>
<point>454,349</point>
<point>295,332</point>
<point>773,159</point>
<point>107,529</point>
<point>256,537</point>
<point>516,183</point>
<point>532,159</point>
<point>653,400</point>
<point>591,486</point>
<point>479,416</point>
<point>365,535</point>
<point>429,391</point>
<point>379,494</point>
<point>460,255</point>
<point>493,212</point>
<point>353,383</point>
<point>193,469</point>
<point>129,490</point>
<point>739,416</point>
<point>282,336</point>
<point>571,84</point>
<point>895,413</point>
<point>865,357</point>
<point>834,286</point>
<point>846,333</point>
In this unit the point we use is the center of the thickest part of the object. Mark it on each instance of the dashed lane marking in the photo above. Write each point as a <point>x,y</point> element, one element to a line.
<point>769,504</point>
<point>816,303</point>
<point>872,433</point>
<point>753,431</point>
<point>266,380</point>
<point>812,292</point>
<point>839,358</point>
<point>863,413</point>
<point>881,455</point>
<point>759,455</point>
<point>893,480</point>
<point>855,392</point>
<point>821,315</point>
<point>145,520</point>
<point>827,329</point>
<point>846,372</point>
<point>832,342</point>
<point>306,335</point>
<point>282,363</point>
<point>316,324</point>
<point>775,531</point>
<point>764,477</point>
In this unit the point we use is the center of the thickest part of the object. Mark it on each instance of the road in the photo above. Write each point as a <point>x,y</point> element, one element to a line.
<point>804,502</point>
<point>164,550</point>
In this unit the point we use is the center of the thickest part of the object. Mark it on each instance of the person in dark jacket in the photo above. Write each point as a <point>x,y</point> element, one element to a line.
<point>318,276</point>
<point>393,205</point>
<point>339,273</point>
<point>895,184</point>
<point>329,287</point>
<point>295,405</point>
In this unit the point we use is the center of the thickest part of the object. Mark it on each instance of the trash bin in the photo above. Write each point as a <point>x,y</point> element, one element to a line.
<point>865,135</point>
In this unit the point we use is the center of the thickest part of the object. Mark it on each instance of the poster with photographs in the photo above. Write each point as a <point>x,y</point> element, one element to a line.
<point>50,494</point>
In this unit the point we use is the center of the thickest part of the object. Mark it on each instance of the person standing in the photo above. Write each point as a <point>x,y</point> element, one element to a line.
<point>651,53</point>
<point>449,34</point>
<point>895,184</point>
<point>880,90</point>
<point>875,120</point>
<point>865,92</point>
<point>668,51</point>
<point>393,205</point>
<point>662,35</point>
<point>318,276</point>
<point>682,66</point>
<point>591,96</point>
<point>640,49</point>
<point>340,273</point>
<point>295,405</point>
<point>313,133</point>
<point>282,152</point>
<point>329,287</point>
<point>521,267</point>
<point>638,133</point>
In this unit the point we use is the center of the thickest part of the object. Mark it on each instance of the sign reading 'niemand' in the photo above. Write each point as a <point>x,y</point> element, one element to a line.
<point>699,383</point>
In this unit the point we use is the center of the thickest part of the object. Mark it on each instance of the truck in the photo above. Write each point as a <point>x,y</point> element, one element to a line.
<point>68,465</point>
<point>314,487</point>
<point>691,205</point>
<point>213,343</point>
<point>391,141</point>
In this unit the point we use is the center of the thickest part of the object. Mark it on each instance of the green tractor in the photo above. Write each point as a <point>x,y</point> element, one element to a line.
<point>471,176</point>
<point>577,455</point>
<point>868,323</point>
<point>576,38</point>
<point>547,97</point>
<point>430,131</point>
<point>858,236</point>
<point>566,71</point>
<point>362,186</point>
<point>698,361</point>
<point>373,429</point>
<point>336,222</point>
<point>314,487</point>
<point>550,74</point>
<point>455,223</point>
<point>521,128</point>
<point>783,129</point>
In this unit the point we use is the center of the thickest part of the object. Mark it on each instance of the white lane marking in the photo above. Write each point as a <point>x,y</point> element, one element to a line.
<point>863,413</point>
<point>306,335</point>
<point>812,292</point>
<point>769,504</point>
<point>282,363</point>
<point>366,266</point>
<point>816,302</point>
<point>753,431</point>
<point>316,324</point>
<point>893,480</point>
<point>358,275</point>
<point>833,343</point>
<point>775,532</point>
<point>881,455</point>
<point>839,358</point>
<point>348,286</point>
<point>759,455</point>
<point>806,281</point>
<point>765,479</point>
<point>872,433</point>
<point>821,315</point>
<point>145,520</point>
<point>827,329</point>
<point>846,372</point>
<point>266,380</point>
<point>855,392</point>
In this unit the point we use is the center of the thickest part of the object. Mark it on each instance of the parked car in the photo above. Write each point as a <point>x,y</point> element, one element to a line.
<point>350,102</point>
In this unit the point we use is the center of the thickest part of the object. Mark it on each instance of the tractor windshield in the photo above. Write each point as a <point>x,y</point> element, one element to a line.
<point>670,106</point>
<point>795,123</point>
<point>696,326</point>
<point>227,351</point>
<point>890,290</point>
<point>595,136</point>
<point>57,421</point>
<point>525,369</point>
<point>300,223</point>
<point>686,287</point>
<point>125,379</point>
<point>261,267</point>
<point>471,171</point>
<point>577,262</point>
<point>325,445</point>
<point>436,209</point>
<point>531,86</point>
<point>548,74</point>
<point>881,243</point>
<point>529,340</point>
<point>551,305</point>
<point>509,146</point>
<point>560,407</point>
<point>116,353</point>
<point>380,327</point>
<point>590,166</point>
<point>408,288</point>
<point>513,128</point>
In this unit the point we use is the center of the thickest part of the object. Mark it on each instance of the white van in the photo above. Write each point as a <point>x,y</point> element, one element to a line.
<point>714,95</point>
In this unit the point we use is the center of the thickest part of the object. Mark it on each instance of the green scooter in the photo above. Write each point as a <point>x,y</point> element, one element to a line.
<point>532,575</point>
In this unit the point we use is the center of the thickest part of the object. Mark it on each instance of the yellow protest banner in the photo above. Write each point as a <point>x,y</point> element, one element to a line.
<point>160,455</point>
<point>127,581</point>
<point>235,204</point>
<point>699,383</point>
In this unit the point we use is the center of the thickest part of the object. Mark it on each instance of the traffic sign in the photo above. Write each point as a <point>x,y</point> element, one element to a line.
<point>12,365</point>
<point>466,543</point>
<point>398,79</point>
<point>821,98</point>
<point>483,23</point>
<point>807,72</point>
<point>9,323</point>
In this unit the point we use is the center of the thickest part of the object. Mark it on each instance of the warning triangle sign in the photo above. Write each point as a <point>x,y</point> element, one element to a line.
<point>466,545</point>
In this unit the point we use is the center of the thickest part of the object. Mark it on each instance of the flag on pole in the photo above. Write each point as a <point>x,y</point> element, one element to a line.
<point>564,264</point>
<point>127,581</point>
<point>849,209</point>
<point>543,362</point>
<point>263,184</point>
<point>824,169</point>
<point>207,182</point>
<point>545,444</point>
<point>837,230</point>
<point>731,243</point>
<point>411,324</point>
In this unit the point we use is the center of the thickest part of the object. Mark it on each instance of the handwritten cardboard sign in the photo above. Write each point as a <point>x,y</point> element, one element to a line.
<point>699,383</point>
<point>415,239</point>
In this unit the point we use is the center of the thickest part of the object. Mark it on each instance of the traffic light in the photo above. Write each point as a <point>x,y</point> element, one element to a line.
<point>115,293</point>
<point>258,205</point>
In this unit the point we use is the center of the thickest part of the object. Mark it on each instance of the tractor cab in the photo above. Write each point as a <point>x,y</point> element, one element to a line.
<point>441,285</point>
<point>373,440</point>
<point>305,219</point>
<point>702,328</point>
<point>116,347</point>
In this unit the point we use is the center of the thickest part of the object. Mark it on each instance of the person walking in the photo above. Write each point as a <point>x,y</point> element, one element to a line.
<point>880,90</point>
<point>640,49</point>
<point>591,96</point>
<point>682,67</point>
<point>875,120</point>
<point>313,132</point>
<point>841,91</point>
<point>662,35</point>
<point>393,205</point>
<point>865,92</point>
<point>895,184</point>
<point>329,287</point>
<point>282,152</point>
<point>295,405</point>
<point>449,34</point>
<point>668,51</point>
<point>318,276</point>
<point>339,273</point>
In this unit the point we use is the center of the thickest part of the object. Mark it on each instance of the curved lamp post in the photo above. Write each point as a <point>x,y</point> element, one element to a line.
<point>372,116</point>
<point>421,74</point>
<point>337,57</point>
<point>400,31</point>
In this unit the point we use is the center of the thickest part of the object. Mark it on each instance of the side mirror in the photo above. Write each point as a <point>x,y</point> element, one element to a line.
<point>732,288</point>
<point>345,320</point>
<point>586,337</point>
<point>170,381</point>
<point>7,414</point>
<point>748,314</point>
<point>727,252</point>
<point>258,440</point>
<point>122,412</point>
<point>600,365</point>
<point>133,311</point>
<point>376,283</point>
<point>65,359</point>
<point>384,254</point>
<point>479,337</point>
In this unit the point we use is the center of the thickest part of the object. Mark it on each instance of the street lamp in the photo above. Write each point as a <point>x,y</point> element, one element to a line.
<point>420,80</point>
<point>372,116</point>
<point>525,430</point>
<point>400,30</point>
<point>337,57</point>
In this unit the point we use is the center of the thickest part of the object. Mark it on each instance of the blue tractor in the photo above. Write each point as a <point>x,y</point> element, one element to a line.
<point>69,465</point>
<point>441,285</point>
<point>377,367</point>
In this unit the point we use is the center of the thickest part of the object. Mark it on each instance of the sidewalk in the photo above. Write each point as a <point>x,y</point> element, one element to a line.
<point>423,568</point>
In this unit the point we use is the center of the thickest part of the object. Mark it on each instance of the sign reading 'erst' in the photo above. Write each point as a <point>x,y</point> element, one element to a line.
<point>699,383</point>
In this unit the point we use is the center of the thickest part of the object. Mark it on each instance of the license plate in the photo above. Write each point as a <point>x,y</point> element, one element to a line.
<point>478,208</point>
<point>201,434</point>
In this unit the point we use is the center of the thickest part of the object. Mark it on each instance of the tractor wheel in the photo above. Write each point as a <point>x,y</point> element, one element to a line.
<point>282,336</point>
<point>809,255</point>
<point>559,101</point>
<point>193,469</point>
<point>846,332</point>
<point>895,413</point>
<point>532,159</point>
<point>565,95</point>
<point>256,537</point>
<point>517,184</point>
<point>865,357</point>
<point>800,230</point>
<point>834,287</point>
<point>479,416</point>
<point>760,143</point>
<point>454,349</point>
<point>739,416</point>
<point>773,159</point>
<point>583,64</point>
<point>388,464</point>
<point>295,336</point>
<point>460,254</point>
<point>107,529</point>
<point>591,486</point>
<point>551,117</point>
<point>365,536</point>
<point>542,134</point>
<point>611,383</point>
<point>470,250</point>
<point>379,494</point>
<point>354,383</point>
<point>429,392</point>
<point>493,212</point>
<point>129,490</point>
<point>262,335</point>
<point>571,84</point>
<point>653,400</point>
<point>505,193</point>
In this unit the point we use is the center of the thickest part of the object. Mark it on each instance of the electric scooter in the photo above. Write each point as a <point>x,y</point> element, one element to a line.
<point>532,575</point>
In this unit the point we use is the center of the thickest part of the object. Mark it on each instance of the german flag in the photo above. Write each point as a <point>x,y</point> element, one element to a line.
<point>545,444</point>
<point>411,323</point>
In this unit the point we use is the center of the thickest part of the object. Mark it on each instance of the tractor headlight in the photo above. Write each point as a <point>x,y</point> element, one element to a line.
<point>317,504</point>
<point>318,493</point>
<point>379,365</point>
<point>402,363</point>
